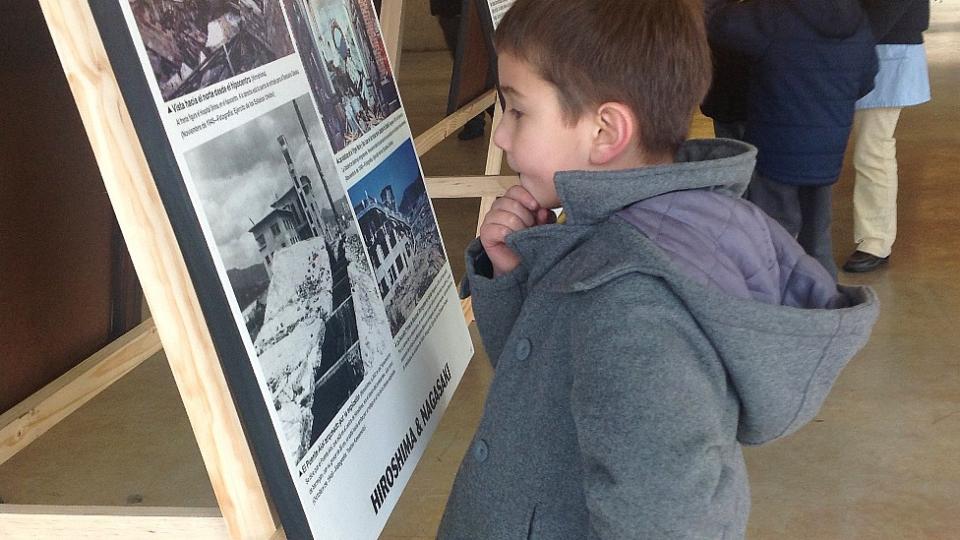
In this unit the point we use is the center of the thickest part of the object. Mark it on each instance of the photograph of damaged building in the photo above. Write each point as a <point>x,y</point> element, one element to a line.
<point>399,231</point>
<point>293,256</point>
<point>346,63</point>
<point>192,44</point>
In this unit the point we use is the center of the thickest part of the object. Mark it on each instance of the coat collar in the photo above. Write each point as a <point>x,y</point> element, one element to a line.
<point>722,164</point>
<point>590,198</point>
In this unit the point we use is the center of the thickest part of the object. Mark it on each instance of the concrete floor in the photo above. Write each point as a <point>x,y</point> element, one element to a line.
<point>881,461</point>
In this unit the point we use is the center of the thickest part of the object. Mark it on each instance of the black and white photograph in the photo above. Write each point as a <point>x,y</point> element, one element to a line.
<point>400,232</point>
<point>292,253</point>
<point>192,44</point>
<point>498,8</point>
<point>346,63</point>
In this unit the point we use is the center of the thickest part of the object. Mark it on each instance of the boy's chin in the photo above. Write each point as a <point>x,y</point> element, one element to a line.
<point>550,204</point>
<point>544,200</point>
<point>550,201</point>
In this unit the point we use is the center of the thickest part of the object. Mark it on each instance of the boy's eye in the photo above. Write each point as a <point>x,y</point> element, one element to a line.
<point>516,113</point>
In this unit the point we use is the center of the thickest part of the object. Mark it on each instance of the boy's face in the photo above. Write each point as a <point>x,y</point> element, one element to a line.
<point>533,133</point>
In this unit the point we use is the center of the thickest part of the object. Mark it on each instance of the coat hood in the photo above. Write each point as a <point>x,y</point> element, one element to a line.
<point>835,19</point>
<point>781,361</point>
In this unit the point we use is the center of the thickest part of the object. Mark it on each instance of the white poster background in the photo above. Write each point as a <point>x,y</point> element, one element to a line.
<point>498,8</point>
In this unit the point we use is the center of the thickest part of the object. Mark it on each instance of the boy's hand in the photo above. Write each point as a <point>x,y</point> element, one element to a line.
<point>515,211</point>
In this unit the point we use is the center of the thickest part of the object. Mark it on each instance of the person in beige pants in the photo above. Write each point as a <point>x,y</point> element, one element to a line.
<point>901,81</point>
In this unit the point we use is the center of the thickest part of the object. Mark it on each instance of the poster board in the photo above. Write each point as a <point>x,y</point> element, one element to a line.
<point>474,60</point>
<point>284,162</point>
<point>496,9</point>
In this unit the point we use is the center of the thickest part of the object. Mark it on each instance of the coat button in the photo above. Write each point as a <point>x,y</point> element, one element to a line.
<point>523,349</point>
<point>480,451</point>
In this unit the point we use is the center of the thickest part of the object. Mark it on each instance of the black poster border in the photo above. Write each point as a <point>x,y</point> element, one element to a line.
<point>237,367</point>
<point>483,9</point>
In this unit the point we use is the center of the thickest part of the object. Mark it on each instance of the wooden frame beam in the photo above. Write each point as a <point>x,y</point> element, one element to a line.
<point>34,416</point>
<point>391,25</point>
<point>430,138</point>
<point>467,306</point>
<point>494,163</point>
<point>162,271</point>
<point>458,187</point>
<point>33,522</point>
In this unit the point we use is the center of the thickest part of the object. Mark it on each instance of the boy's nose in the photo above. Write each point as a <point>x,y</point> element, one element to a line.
<point>500,137</point>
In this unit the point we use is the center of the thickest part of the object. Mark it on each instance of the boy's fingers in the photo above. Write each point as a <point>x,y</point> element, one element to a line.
<point>521,195</point>
<point>492,234</point>
<point>502,209</point>
<point>546,216</point>
<point>510,222</point>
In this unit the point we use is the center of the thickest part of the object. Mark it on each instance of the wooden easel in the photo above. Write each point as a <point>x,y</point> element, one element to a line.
<point>177,326</point>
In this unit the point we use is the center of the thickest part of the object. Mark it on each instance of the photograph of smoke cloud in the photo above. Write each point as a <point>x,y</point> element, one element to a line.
<point>192,44</point>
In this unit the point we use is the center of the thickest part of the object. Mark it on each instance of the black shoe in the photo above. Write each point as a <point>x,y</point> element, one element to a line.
<point>472,129</point>
<point>861,261</point>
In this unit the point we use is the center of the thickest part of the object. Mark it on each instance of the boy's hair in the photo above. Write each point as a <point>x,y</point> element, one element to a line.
<point>651,55</point>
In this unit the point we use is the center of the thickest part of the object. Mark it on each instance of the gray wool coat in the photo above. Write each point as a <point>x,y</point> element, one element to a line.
<point>623,389</point>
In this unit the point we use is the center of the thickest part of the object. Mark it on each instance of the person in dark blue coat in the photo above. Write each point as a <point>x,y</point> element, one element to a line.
<point>809,62</point>
<point>726,101</point>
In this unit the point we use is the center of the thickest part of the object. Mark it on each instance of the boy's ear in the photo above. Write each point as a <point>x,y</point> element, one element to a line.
<point>615,133</point>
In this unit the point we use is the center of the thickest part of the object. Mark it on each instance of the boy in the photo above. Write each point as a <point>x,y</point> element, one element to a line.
<point>665,321</point>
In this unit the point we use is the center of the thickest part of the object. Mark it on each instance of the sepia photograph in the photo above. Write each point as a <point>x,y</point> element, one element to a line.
<point>295,262</point>
<point>346,63</point>
<point>192,44</point>
<point>400,232</point>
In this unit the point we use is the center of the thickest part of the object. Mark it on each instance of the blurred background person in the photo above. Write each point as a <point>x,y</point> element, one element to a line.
<point>901,81</point>
<point>726,102</point>
<point>809,61</point>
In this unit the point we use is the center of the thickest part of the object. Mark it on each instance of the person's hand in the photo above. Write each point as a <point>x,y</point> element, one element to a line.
<point>515,211</point>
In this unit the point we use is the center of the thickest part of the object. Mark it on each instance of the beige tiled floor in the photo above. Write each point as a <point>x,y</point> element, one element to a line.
<point>882,460</point>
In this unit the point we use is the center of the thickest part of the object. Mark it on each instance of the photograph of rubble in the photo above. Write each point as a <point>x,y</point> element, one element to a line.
<point>192,44</point>
<point>400,232</point>
<point>295,263</point>
<point>346,63</point>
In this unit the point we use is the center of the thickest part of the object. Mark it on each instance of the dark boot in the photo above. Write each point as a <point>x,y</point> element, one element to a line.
<point>472,129</point>
<point>861,261</point>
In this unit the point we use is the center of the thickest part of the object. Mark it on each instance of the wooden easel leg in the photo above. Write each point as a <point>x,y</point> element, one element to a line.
<point>494,152</point>
<point>166,283</point>
<point>391,25</point>
<point>494,167</point>
<point>494,163</point>
<point>449,125</point>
